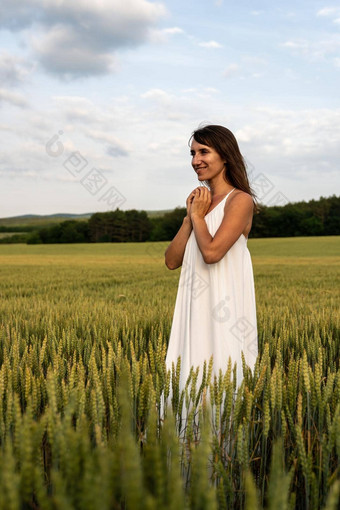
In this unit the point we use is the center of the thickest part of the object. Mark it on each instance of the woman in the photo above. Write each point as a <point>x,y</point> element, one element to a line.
<point>215,311</point>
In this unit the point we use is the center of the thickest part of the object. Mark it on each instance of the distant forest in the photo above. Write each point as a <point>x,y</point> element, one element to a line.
<point>313,218</point>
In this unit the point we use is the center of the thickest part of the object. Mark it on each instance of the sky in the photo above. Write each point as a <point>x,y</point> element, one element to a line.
<point>99,99</point>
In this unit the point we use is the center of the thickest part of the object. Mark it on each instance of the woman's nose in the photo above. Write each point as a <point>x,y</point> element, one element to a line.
<point>195,159</point>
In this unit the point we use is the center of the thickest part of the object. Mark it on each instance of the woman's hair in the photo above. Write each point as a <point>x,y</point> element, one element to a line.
<point>225,144</point>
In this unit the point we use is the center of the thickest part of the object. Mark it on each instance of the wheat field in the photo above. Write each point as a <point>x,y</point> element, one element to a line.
<point>83,339</point>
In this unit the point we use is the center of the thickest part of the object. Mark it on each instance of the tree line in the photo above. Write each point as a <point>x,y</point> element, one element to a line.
<point>108,227</point>
<point>313,218</point>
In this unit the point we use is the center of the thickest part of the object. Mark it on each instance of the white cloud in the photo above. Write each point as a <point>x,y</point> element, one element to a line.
<point>297,151</point>
<point>62,52</point>
<point>333,12</point>
<point>181,107</point>
<point>211,90</point>
<point>309,135</point>
<point>173,30</point>
<point>316,49</point>
<point>114,146</point>
<point>300,45</point>
<point>157,94</point>
<point>248,67</point>
<point>327,11</point>
<point>13,69</point>
<point>13,98</point>
<point>231,70</point>
<point>75,108</point>
<point>210,44</point>
<point>74,39</point>
<point>162,35</point>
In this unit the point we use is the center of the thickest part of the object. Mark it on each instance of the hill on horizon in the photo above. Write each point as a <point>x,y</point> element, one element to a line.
<point>41,219</point>
<point>44,219</point>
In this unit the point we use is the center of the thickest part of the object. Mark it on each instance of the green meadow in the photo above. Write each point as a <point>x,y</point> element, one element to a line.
<point>83,338</point>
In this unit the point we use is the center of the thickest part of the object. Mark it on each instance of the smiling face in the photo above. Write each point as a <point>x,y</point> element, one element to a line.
<point>206,162</point>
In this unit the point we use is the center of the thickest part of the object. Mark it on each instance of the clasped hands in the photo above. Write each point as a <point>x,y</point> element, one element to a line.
<point>198,202</point>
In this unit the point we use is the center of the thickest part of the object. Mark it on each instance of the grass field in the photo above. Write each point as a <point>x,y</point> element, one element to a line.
<point>83,337</point>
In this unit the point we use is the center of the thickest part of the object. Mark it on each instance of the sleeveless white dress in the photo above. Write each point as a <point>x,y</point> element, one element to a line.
<point>215,310</point>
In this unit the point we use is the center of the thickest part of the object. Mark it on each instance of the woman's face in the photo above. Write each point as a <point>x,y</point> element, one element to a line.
<point>206,162</point>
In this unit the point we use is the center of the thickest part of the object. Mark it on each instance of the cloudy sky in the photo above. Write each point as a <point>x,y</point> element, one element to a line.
<point>98,99</point>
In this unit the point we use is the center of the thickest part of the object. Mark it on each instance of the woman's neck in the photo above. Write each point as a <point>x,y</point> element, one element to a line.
<point>219,188</point>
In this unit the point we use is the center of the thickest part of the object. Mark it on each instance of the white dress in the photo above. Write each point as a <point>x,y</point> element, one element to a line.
<point>215,311</point>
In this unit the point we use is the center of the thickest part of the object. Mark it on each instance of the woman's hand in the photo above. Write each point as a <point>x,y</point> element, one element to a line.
<point>201,201</point>
<point>189,202</point>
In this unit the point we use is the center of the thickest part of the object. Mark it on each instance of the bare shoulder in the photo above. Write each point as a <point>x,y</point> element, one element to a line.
<point>239,200</point>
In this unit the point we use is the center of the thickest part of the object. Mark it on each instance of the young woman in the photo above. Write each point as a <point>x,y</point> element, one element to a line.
<point>215,311</point>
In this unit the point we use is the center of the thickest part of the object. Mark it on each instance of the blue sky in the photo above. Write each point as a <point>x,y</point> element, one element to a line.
<point>98,100</point>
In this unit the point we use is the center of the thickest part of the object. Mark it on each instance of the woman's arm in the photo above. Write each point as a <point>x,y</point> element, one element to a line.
<point>238,212</point>
<point>175,252</point>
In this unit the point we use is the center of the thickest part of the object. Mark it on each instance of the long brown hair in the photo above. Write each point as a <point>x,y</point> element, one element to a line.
<point>225,144</point>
